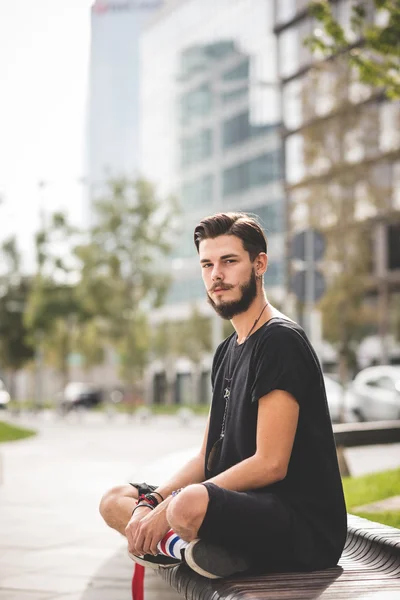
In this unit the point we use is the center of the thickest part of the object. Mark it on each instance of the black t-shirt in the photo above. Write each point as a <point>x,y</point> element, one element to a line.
<point>278,356</point>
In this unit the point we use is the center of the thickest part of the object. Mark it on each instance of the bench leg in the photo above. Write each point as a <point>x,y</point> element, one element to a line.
<point>343,466</point>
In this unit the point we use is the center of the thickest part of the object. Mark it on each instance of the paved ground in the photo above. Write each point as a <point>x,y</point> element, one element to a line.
<point>53,543</point>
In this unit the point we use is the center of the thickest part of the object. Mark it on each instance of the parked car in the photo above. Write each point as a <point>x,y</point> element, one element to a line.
<point>334,394</point>
<point>377,393</point>
<point>4,396</point>
<point>77,394</point>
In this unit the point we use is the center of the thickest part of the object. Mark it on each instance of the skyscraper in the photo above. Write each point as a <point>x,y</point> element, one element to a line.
<point>211,136</point>
<point>114,88</point>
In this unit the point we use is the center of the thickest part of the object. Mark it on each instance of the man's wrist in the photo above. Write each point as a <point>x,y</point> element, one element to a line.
<point>142,505</point>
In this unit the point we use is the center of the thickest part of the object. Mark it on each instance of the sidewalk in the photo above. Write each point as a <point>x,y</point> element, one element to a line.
<point>53,543</point>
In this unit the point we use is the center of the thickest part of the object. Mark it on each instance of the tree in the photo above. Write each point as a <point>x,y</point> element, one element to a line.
<point>15,350</point>
<point>373,49</point>
<point>53,307</point>
<point>120,278</point>
<point>190,338</point>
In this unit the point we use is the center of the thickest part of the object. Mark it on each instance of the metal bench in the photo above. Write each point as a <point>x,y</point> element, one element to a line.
<point>369,568</point>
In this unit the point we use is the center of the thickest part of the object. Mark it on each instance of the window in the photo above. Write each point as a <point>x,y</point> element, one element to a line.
<point>373,383</point>
<point>197,192</point>
<point>270,216</point>
<point>394,247</point>
<point>238,129</point>
<point>196,148</point>
<point>239,72</point>
<point>261,170</point>
<point>235,95</point>
<point>386,383</point>
<point>288,9</point>
<point>196,103</point>
<point>293,53</point>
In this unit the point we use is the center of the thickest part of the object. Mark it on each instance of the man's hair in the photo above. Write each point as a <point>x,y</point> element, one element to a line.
<point>233,223</point>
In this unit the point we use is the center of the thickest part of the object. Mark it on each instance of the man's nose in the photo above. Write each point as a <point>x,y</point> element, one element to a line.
<point>216,273</point>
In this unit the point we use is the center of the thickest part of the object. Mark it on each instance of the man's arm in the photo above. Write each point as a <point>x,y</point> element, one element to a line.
<point>277,420</point>
<point>147,527</point>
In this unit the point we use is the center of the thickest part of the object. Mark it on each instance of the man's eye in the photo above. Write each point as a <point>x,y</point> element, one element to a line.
<point>230,260</point>
<point>206,265</point>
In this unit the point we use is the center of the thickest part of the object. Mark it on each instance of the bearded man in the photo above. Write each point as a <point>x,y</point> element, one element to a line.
<point>264,492</point>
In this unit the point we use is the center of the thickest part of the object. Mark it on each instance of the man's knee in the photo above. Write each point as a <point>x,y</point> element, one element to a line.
<point>187,510</point>
<point>109,501</point>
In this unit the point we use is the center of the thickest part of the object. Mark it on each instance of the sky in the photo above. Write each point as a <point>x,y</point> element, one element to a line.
<point>44,57</point>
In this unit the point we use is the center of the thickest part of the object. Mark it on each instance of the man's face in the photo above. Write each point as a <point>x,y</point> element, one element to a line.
<point>228,275</point>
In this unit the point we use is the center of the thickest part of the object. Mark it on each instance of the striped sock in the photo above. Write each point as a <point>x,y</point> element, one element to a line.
<point>171,545</point>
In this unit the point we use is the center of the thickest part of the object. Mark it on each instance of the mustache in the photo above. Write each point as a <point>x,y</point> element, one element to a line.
<point>219,286</point>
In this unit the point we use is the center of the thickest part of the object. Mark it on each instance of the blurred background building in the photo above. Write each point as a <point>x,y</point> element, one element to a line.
<point>211,136</point>
<point>342,147</point>
<point>224,106</point>
<point>114,90</point>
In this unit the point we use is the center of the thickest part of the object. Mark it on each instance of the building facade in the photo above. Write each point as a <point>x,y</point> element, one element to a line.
<point>342,155</point>
<point>113,118</point>
<point>211,135</point>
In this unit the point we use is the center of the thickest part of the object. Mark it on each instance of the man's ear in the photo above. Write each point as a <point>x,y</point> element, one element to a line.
<point>261,264</point>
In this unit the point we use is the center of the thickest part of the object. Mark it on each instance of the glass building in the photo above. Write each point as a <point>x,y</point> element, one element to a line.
<point>114,89</point>
<point>210,128</point>
<point>342,155</point>
<point>211,133</point>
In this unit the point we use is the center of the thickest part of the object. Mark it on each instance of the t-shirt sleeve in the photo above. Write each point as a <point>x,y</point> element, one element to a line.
<point>283,362</point>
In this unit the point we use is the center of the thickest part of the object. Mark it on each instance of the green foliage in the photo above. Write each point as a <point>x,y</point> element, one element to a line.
<point>15,350</point>
<point>190,338</point>
<point>92,289</point>
<point>10,433</point>
<point>120,280</point>
<point>376,52</point>
<point>54,309</point>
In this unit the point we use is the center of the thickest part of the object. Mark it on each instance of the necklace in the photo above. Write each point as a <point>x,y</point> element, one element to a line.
<point>228,379</point>
<point>215,451</point>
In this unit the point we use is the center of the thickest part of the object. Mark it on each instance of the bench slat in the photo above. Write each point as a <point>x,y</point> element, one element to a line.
<point>370,564</point>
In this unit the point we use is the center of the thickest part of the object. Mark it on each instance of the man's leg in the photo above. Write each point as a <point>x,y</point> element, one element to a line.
<point>116,506</point>
<point>187,510</point>
<point>237,531</point>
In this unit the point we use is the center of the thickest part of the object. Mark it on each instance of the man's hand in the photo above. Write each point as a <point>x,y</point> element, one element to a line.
<point>146,528</point>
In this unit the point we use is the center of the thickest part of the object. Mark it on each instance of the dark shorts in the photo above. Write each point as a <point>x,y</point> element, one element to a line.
<point>255,524</point>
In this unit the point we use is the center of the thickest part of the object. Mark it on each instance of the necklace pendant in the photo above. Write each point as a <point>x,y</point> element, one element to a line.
<point>227,393</point>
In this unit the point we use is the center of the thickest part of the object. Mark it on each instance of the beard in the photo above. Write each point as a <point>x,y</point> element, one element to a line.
<point>228,310</point>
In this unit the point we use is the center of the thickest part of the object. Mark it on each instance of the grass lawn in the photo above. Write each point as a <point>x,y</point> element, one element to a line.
<point>9,433</point>
<point>372,488</point>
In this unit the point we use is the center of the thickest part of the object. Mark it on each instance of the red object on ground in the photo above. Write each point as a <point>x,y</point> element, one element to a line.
<point>138,583</point>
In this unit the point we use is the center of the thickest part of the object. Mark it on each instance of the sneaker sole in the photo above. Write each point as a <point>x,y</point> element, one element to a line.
<point>155,566</point>
<point>241,564</point>
<point>189,559</point>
